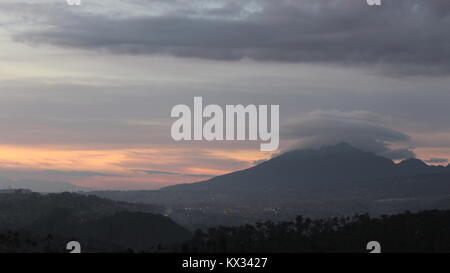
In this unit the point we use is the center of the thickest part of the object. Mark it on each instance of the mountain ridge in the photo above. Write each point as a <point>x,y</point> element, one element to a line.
<point>342,164</point>
<point>333,180</point>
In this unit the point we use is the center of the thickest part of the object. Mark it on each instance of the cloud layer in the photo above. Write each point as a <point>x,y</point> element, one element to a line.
<point>437,160</point>
<point>362,129</point>
<point>400,37</point>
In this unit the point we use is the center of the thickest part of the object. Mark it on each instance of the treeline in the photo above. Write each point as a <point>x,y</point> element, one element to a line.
<point>427,231</point>
<point>21,208</point>
<point>13,241</point>
<point>33,222</point>
<point>121,232</point>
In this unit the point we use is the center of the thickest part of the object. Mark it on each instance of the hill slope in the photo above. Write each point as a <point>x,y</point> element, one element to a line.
<point>98,224</point>
<point>336,169</point>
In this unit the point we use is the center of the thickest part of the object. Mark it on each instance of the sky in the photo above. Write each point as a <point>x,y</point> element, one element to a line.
<point>86,91</point>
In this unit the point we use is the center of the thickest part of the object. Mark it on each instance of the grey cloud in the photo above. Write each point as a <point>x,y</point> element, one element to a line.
<point>362,129</point>
<point>396,154</point>
<point>172,173</point>
<point>156,172</point>
<point>257,162</point>
<point>362,123</point>
<point>80,173</point>
<point>401,37</point>
<point>198,175</point>
<point>437,160</point>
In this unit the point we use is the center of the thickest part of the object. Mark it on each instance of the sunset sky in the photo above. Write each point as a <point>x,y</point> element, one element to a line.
<point>86,92</point>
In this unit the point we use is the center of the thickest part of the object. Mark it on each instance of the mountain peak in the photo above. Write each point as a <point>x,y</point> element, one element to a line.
<point>342,147</point>
<point>413,162</point>
<point>337,168</point>
<point>338,149</point>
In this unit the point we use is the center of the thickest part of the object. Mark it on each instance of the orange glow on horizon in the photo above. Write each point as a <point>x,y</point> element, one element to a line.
<point>122,166</point>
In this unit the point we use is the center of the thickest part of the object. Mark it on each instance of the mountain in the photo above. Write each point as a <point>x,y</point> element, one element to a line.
<point>333,168</point>
<point>330,181</point>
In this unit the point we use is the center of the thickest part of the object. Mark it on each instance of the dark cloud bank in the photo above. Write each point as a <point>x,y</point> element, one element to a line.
<point>402,37</point>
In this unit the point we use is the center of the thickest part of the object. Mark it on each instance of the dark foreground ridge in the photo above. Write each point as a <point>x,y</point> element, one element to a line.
<point>425,231</point>
<point>46,222</point>
<point>406,232</point>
